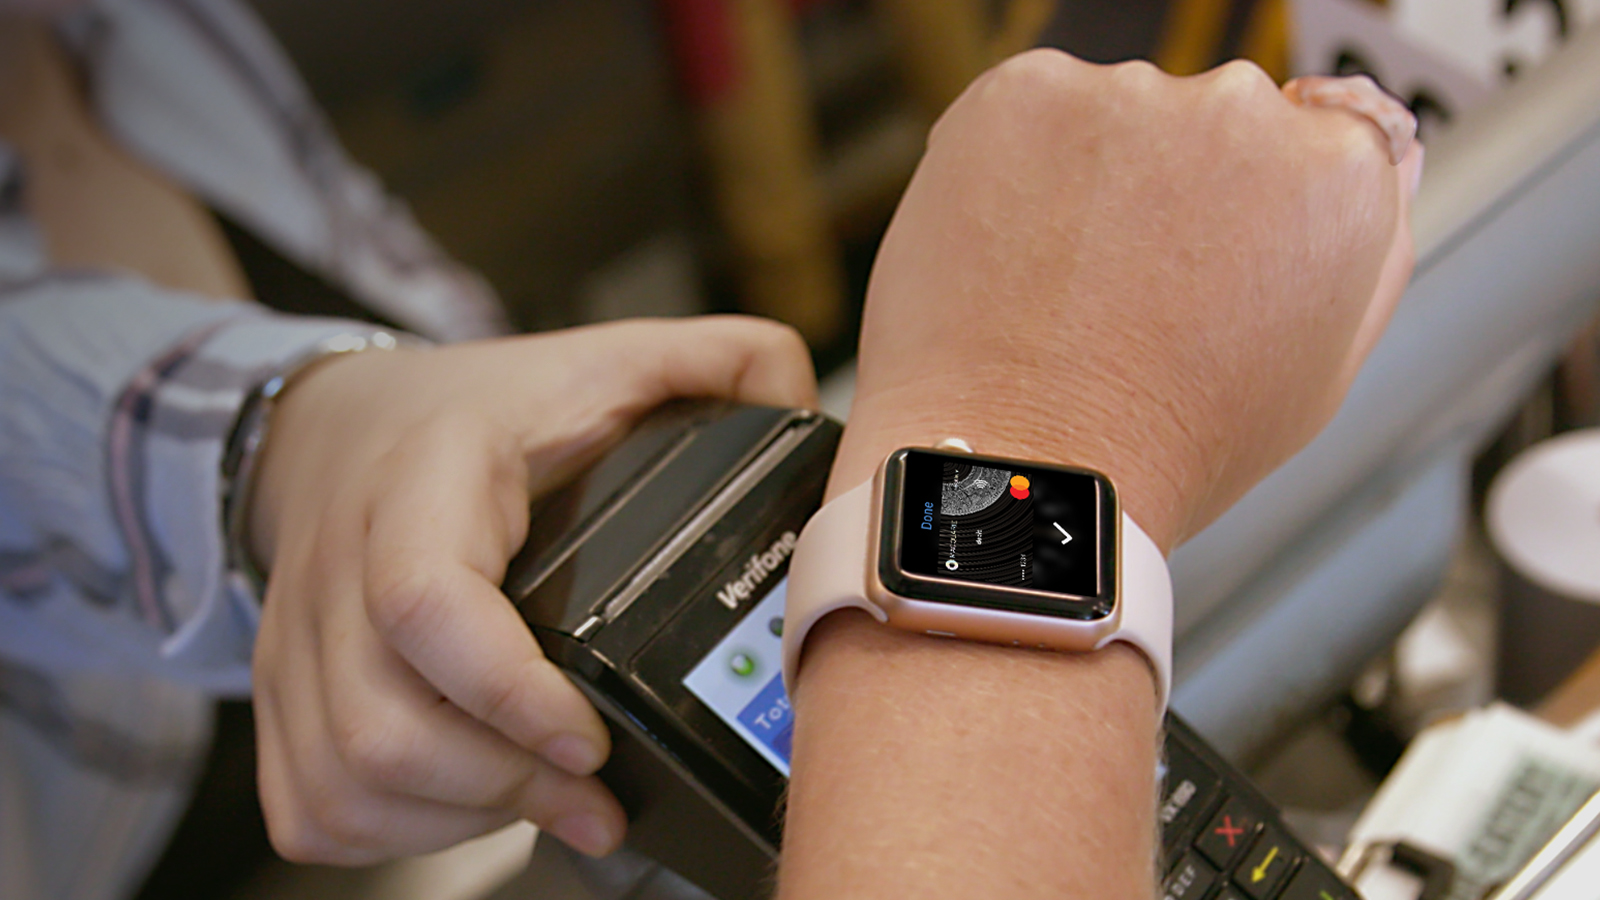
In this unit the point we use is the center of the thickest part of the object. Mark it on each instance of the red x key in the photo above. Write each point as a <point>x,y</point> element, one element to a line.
<point>1229,830</point>
<point>1227,835</point>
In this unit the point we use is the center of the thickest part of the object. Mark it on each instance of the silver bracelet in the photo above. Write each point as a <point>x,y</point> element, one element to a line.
<point>249,434</point>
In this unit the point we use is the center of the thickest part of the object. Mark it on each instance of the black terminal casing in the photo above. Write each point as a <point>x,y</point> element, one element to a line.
<point>618,581</point>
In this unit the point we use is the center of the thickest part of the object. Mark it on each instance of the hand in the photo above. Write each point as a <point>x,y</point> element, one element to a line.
<point>402,705</point>
<point>1173,280</point>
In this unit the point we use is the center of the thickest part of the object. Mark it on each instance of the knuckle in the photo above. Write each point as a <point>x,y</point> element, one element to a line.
<point>515,792</point>
<point>446,433</point>
<point>288,830</point>
<point>1350,152</point>
<point>1031,70</point>
<point>753,328</point>
<point>1136,70</point>
<point>342,823</point>
<point>295,841</point>
<point>311,818</point>
<point>1356,146</point>
<point>1139,80</point>
<point>403,599</point>
<point>782,338</point>
<point>298,839</point>
<point>1014,83</point>
<point>498,697</point>
<point>505,700</point>
<point>379,753</point>
<point>1241,80</point>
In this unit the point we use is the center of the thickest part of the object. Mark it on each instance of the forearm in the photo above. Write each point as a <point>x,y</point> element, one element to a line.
<point>1169,280</point>
<point>926,767</point>
<point>931,767</point>
<point>96,205</point>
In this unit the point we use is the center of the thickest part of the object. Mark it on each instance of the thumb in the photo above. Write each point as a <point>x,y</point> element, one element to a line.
<point>617,372</point>
<point>1397,266</point>
<point>740,358</point>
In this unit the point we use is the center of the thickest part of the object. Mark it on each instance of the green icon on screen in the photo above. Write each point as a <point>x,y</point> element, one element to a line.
<point>742,665</point>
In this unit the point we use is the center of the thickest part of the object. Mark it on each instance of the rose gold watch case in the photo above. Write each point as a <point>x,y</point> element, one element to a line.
<point>952,618</point>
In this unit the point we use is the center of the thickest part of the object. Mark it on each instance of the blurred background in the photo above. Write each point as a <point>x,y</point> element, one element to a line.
<point>599,159</point>
<point>605,158</point>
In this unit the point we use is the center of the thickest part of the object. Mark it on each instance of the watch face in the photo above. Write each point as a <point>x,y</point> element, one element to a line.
<point>999,533</point>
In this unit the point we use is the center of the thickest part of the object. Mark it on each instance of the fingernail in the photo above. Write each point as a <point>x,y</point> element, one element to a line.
<point>577,755</point>
<point>586,833</point>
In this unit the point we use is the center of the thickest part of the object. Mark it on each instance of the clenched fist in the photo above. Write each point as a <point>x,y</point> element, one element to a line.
<point>1170,279</point>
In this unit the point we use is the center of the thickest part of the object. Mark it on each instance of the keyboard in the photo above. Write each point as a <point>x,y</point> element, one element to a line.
<point>1222,839</point>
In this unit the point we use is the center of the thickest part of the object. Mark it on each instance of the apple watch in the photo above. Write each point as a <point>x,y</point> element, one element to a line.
<point>953,544</point>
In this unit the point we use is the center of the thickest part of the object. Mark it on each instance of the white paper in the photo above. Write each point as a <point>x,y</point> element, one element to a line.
<point>1485,791</point>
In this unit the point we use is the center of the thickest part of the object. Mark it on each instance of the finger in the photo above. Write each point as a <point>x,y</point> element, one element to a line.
<point>434,762</point>
<point>623,370</point>
<point>394,735</point>
<point>432,568</point>
<point>450,759</point>
<point>349,730</point>
<point>1241,77</point>
<point>1397,265</point>
<point>316,813</point>
<point>322,820</point>
<point>1023,73</point>
<point>734,357</point>
<point>1360,95</point>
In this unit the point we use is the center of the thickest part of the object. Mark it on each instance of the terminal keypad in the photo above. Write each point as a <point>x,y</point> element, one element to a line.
<point>1223,840</point>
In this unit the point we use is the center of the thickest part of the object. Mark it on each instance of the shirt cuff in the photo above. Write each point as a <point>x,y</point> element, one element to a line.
<point>167,438</point>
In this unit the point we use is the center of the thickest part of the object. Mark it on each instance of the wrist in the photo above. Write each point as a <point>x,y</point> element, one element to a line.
<point>254,466</point>
<point>905,585</point>
<point>1149,473</point>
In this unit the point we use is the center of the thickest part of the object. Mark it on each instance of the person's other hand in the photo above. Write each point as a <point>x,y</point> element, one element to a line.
<point>402,705</point>
<point>1173,280</point>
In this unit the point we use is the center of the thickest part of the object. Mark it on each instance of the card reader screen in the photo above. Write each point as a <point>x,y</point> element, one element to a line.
<point>966,519</point>
<point>741,679</point>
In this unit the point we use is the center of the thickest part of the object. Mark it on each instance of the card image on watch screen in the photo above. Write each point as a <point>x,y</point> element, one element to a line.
<point>1029,528</point>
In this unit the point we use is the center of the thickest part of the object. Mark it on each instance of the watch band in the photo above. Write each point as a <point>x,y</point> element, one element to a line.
<point>830,568</point>
<point>249,435</point>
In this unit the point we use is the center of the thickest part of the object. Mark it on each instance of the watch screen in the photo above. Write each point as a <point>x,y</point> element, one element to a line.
<point>1001,524</point>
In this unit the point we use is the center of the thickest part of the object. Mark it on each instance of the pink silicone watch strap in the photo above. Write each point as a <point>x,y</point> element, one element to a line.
<point>829,572</point>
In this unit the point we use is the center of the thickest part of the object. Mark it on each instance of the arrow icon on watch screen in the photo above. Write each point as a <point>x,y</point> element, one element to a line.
<point>1064,536</point>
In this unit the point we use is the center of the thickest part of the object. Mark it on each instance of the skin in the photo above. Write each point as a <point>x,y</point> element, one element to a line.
<point>390,496</point>
<point>401,703</point>
<point>94,204</point>
<point>1170,280</point>
<point>1173,281</point>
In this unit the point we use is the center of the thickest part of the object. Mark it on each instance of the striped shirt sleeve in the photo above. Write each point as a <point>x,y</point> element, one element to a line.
<point>116,400</point>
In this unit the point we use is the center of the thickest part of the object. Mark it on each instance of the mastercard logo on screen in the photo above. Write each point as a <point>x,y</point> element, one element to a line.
<point>1019,487</point>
